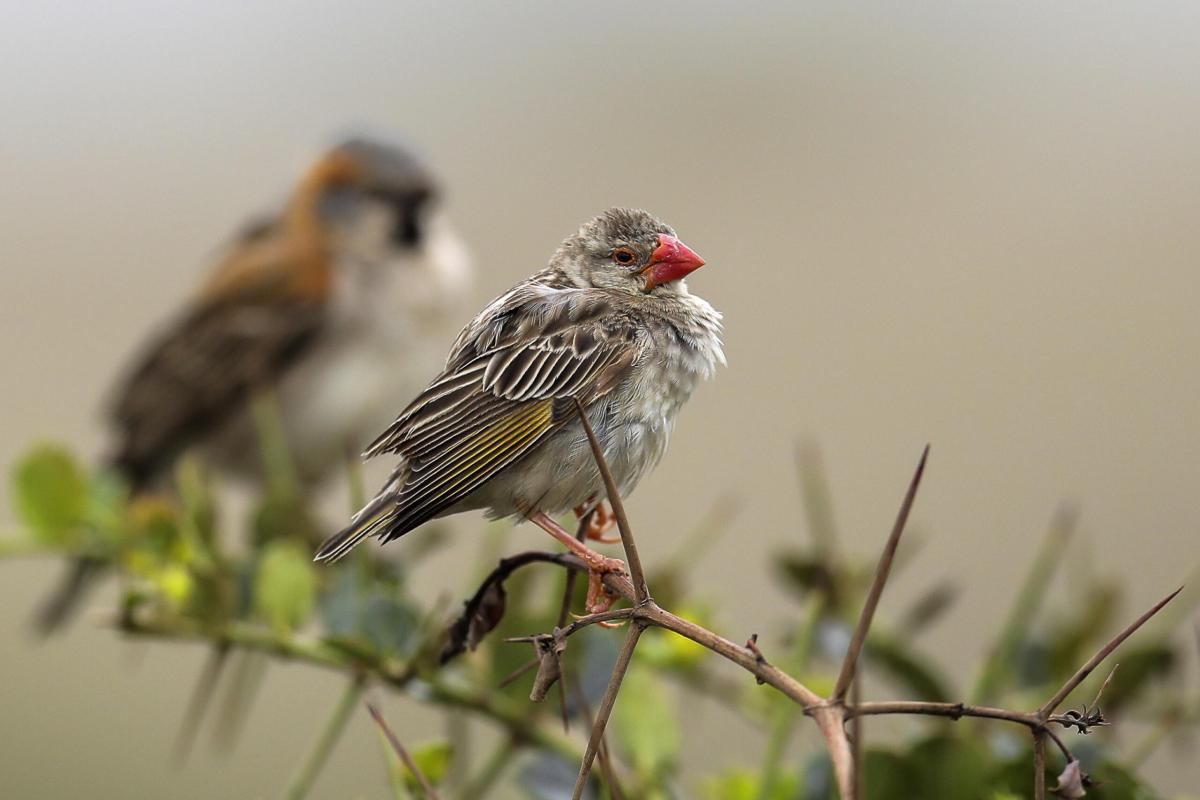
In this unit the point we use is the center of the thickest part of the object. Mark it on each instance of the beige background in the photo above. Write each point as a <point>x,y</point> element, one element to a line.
<point>970,226</point>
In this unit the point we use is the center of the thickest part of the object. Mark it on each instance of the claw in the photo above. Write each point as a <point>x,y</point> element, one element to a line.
<point>602,521</point>
<point>599,599</point>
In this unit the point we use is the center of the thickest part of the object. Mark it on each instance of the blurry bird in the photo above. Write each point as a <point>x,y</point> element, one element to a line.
<point>336,304</point>
<point>610,321</point>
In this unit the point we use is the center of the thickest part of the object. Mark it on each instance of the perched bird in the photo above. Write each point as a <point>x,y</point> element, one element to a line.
<point>609,322</point>
<point>330,303</point>
<point>336,304</point>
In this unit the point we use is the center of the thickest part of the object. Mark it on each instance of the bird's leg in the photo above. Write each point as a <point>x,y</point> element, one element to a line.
<point>601,522</point>
<point>598,565</point>
<point>600,599</point>
<point>596,562</point>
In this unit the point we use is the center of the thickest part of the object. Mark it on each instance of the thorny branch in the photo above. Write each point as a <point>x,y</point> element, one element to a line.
<point>829,714</point>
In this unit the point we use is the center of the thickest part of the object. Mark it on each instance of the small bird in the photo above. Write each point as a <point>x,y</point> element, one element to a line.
<point>609,322</point>
<point>334,304</point>
<point>329,304</point>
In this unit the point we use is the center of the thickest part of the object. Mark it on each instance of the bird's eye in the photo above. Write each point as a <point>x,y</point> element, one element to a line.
<point>624,256</point>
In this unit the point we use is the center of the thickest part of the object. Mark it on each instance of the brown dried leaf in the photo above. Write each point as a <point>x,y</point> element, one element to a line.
<point>479,618</point>
<point>549,651</point>
<point>1071,782</point>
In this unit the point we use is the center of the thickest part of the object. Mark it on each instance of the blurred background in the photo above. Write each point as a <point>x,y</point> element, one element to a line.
<point>949,223</point>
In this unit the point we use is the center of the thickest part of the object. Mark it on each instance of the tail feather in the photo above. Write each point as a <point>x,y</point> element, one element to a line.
<point>375,518</point>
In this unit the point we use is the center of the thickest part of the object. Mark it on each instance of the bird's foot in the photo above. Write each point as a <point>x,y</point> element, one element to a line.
<point>602,522</point>
<point>600,598</point>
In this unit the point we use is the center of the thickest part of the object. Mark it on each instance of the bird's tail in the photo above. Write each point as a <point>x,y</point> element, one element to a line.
<point>375,518</point>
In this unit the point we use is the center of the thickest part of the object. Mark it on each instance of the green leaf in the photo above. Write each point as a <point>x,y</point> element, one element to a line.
<point>50,493</point>
<point>669,651</point>
<point>433,759</point>
<point>740,783</point>
<point>644,721</point>
<point>285,586</point>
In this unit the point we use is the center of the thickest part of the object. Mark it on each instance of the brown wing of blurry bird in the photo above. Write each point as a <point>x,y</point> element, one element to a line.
<point>205,368</point>
<point>260,310</point>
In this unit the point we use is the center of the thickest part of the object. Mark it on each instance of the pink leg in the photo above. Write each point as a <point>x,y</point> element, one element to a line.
<point>598,599</point>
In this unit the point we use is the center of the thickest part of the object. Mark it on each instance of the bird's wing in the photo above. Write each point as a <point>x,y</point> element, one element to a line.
<point>493,404</point>
<point>250,323</point>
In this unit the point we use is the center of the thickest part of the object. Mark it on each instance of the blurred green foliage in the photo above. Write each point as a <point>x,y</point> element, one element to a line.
<point>184,575</point>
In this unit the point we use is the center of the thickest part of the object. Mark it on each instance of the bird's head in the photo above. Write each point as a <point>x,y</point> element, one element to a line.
<point>628,250</point>
<point>371,177</point>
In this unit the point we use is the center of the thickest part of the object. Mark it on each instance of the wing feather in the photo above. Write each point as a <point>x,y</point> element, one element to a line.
<point>510,381</point>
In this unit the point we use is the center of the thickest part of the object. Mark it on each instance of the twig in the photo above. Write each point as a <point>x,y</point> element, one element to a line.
<point>856,739</point>
<point>953,712</point>
<point>640,591</point>
<point>1039,766</point>
<point>850,663</point>
<point>1046,710</point>
<point>398,746</point>
<point>606,707</point>
<point>302,784</point>
<point>524,669</point>
<point>604,755</point>
<point>459,639</point>
<point>564,611</point>
<point>579,624</point>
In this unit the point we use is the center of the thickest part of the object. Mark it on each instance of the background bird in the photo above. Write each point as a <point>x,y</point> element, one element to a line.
<point>609,322</point>
<point>333,306</point>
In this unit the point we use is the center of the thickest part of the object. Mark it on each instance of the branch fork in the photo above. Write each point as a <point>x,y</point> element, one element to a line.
<point>830,714</point>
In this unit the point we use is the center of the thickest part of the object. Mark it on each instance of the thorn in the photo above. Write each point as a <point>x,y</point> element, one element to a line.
<point>752,646</point>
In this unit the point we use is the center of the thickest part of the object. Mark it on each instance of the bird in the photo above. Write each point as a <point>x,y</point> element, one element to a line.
<point>329,303</point>
<point>335,303</point>
<point>610,323</point>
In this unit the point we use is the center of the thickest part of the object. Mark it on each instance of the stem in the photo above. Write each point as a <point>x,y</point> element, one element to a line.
<point>302,783</point>
<point>606,707</point>
<point>1039,766</point>
<point>850,663</point>
<point>1046,710</point>
<point>640,591</point>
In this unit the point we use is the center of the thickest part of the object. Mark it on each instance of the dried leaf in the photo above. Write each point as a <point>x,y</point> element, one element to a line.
<point>480,617</point>
<point>549,651</point>
<point>488,614</point>
<point>1071,782</point>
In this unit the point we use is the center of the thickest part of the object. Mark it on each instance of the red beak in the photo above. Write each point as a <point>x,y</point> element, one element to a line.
<point>670,261</point>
